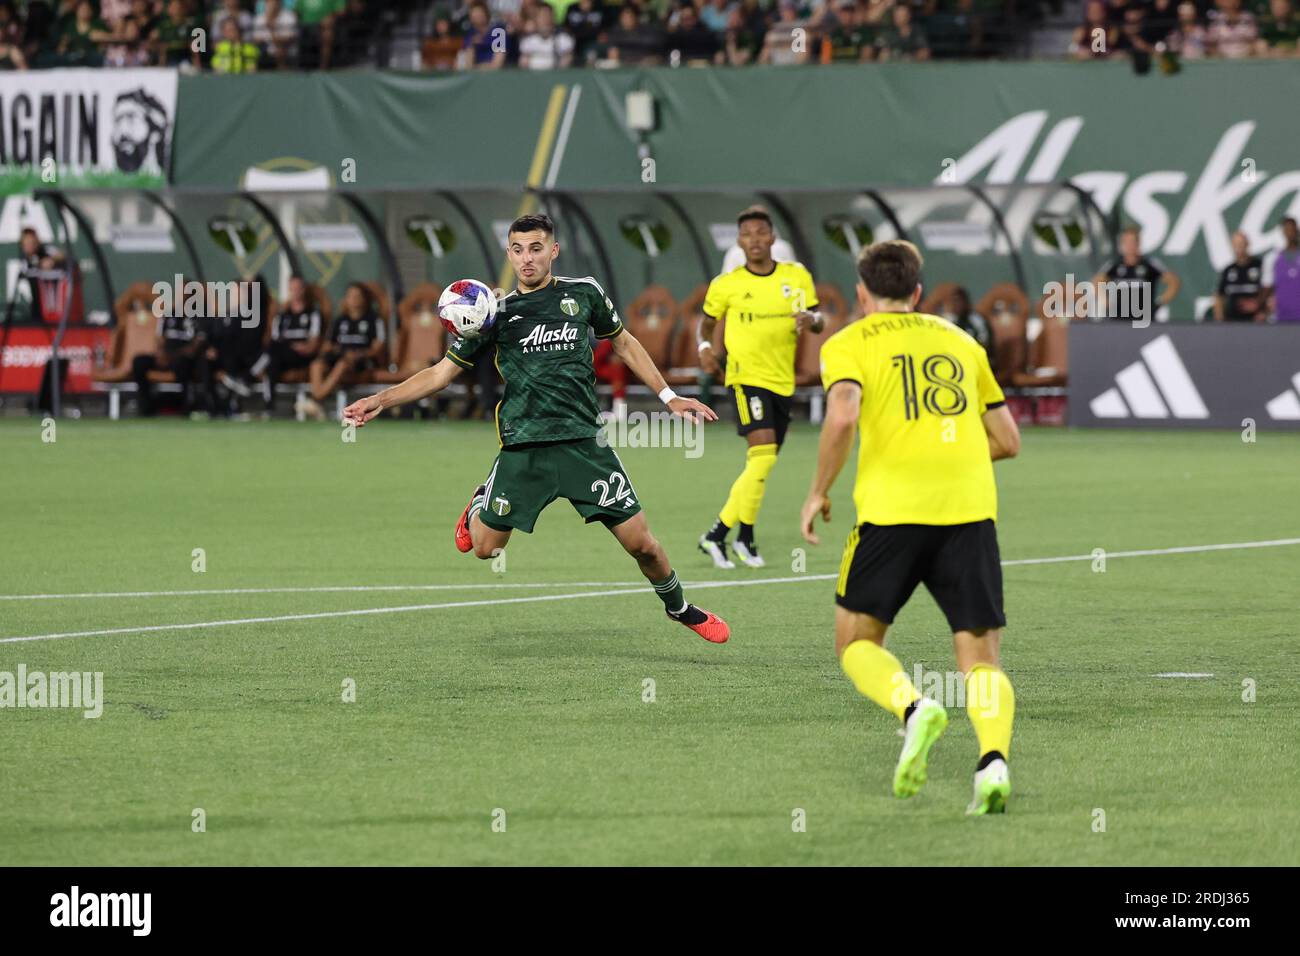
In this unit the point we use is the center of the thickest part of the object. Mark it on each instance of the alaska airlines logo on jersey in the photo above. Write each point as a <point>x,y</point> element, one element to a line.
<point>569,305</point>
<point>542,339</point>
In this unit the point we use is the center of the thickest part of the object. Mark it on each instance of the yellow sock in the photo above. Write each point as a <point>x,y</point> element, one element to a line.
<point>991,704</point>
<point>746,493</point>
<point>878,676</point>
<point>759,461</point>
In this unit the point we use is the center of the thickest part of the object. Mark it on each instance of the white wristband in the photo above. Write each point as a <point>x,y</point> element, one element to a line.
<point>703,345</point>
<point>666,395</point>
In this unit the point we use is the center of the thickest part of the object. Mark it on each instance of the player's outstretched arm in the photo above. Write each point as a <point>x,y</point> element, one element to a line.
<point>423,383</point>
<point>636,358</point>
<point>843,405</point>
<point>1003,432</point>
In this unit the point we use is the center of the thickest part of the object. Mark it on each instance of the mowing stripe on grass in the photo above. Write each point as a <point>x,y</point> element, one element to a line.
<point>621,589</point>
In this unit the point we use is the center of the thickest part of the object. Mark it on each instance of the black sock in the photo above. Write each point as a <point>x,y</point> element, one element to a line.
<point>988,758</point>
<point>908,713</point>
<point>692,615</point>
<point>746,534</point>
<point>718,532</point>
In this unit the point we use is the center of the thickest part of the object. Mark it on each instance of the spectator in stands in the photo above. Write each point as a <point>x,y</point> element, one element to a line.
<point>354,34</point>
<point>787,42</point>
<point>585,21</point>
<point>11,50</point>
<point>35,256</point>
<point>742,41</point>
<point>713,14</point>
<point>634,42</point>
<point>232,53</point>
<point>1282,275</point>
<point>80,38</point>
<point>1279,30</point>
<point>173,35</point>
<point>691,43</point>
<point>275,31</point>
<point>957,31</point>
<point>845,37</point>
<point>231,10</point>
<point>485,41</point>
<point>960,313</point>
<point>316,20</point>
<point>439,51</point>
<point>1239,297</point>
<point>295,339</point>
<point>179,348</point>
<point>1141,274</point>
<point>129,48</point>
<point>1189,40</point>
<point>355,343</point>
<point>1097,37</point>
<point>1232,31</point>
<point>544,47</point>
<point>903,39</point>
<point>1160,21</point>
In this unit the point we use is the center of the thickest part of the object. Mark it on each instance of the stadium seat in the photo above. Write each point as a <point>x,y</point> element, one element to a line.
<point>1049,353</point>
<point>683,366</point>
<point>420,336</point>
<point>937,301</point>
<point>1006,308</point>
<point>135,333</point>
<point>651,317</point>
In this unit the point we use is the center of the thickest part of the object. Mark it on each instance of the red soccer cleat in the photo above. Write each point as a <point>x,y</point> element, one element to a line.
<point>464,541</point>
<point>704,623</point>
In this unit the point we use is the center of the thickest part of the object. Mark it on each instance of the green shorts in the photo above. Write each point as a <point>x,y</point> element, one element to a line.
<point>525,480</point>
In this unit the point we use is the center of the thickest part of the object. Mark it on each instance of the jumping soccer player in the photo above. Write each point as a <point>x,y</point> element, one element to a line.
<point>766,305</point>
<point>548,419</point>
<point>933,421</point>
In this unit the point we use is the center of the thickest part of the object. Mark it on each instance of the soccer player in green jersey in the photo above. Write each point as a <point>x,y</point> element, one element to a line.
<point>548,418</point>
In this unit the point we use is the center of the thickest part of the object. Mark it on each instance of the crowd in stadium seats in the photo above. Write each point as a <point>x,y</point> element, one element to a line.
<point>241,36</point>
<point>1165,29</point>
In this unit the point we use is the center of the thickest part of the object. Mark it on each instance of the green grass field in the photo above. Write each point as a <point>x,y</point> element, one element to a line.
<point>537,707</point>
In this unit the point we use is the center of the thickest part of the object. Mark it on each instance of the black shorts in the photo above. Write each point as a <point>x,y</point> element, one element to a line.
<point>959,565</point>
<point>760,408</point>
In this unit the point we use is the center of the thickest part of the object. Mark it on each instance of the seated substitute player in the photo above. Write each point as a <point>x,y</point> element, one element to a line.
<point>356,343</point>
<point>766,305</point>
<point>548,419</point>
<point>932,421</point>
<point>295,338</point>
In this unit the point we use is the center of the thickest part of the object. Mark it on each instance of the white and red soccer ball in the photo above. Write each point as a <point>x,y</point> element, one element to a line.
<point>467,308</point>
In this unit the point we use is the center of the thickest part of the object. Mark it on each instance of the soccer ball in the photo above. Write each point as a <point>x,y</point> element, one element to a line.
<point>467,308</point>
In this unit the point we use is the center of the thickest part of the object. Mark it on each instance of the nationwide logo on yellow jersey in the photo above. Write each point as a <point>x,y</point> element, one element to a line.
<point>759,326</point>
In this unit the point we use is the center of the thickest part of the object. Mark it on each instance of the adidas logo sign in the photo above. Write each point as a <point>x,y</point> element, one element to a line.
<point>1157,386</point>
<point>1286,407</point>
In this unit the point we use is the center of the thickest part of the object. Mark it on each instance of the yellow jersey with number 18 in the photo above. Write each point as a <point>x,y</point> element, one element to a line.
<point>923,454</point>
<point>759,334</point>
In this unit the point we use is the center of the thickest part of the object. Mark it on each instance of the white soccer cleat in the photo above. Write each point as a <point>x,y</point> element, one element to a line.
<point>750,559</point>
<point>717,552</point>
<point>922,729</point>
<point>992,788</point>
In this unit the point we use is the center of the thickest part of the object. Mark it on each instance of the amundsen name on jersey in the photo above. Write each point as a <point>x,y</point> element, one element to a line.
<point>543,339</point>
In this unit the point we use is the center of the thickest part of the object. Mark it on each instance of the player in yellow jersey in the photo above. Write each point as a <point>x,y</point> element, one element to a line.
<point>932,421</point>
<point>766,304</point>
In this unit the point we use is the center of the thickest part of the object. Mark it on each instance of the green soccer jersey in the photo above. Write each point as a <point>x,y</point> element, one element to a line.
<point>542,349</point>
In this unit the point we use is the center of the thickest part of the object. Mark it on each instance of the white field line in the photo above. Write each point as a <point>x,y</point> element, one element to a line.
<point>695,585</point>
<point>315,590</point>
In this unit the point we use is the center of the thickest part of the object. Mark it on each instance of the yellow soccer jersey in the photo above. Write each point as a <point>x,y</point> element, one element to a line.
<point>759,311</point>
<point>923,455</point>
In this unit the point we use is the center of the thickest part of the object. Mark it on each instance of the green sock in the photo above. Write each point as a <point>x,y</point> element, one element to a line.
<point>670,592</point>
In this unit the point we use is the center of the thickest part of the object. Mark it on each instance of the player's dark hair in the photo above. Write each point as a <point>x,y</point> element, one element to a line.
<point>755,212</point>
<point>891,269</point>
<point>532,222</point>
<point>1290,219</point>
